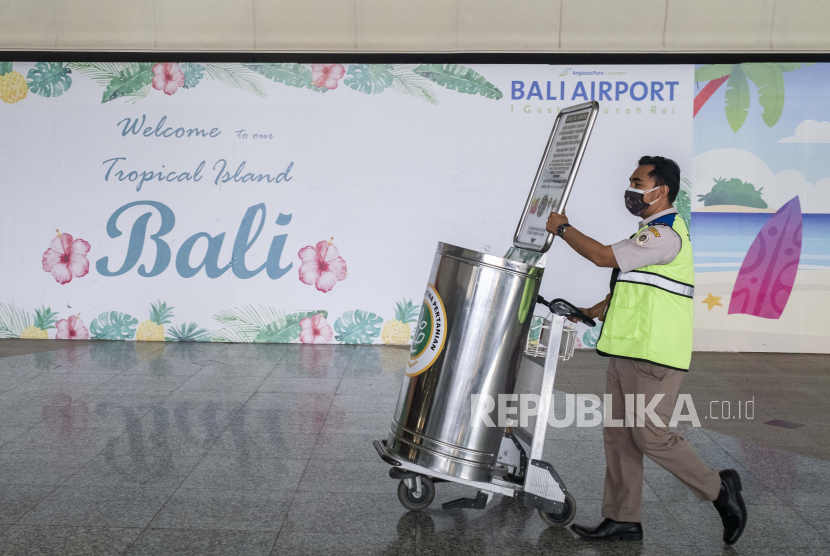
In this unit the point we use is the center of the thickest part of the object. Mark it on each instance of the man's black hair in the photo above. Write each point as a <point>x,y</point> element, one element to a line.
<point>666,172</point>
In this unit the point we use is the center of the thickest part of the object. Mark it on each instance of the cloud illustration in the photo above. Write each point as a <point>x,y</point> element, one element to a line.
<point>810,131</point>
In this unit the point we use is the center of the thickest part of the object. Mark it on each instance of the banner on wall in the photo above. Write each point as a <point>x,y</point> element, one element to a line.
<point>296,203</point>
<point>761,207</point>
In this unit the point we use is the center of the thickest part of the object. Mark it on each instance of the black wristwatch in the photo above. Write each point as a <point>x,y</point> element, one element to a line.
<point>561,229</point>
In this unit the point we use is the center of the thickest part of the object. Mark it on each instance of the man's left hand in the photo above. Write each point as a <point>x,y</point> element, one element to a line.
<point>554,221</point>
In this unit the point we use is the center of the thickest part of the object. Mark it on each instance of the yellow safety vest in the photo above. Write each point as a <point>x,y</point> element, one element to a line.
<point>650,314</point>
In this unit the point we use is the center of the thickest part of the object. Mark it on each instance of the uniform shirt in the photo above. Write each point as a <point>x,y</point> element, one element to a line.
<point>655,245</point>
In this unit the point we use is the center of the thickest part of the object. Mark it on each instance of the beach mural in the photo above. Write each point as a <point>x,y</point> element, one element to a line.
<point>760,207</point>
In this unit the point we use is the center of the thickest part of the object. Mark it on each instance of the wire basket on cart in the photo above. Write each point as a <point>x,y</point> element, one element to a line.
<point>539,338</point>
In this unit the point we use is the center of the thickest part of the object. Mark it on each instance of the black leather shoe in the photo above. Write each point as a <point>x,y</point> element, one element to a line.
<point>730,506</point>
<point>611,530</point>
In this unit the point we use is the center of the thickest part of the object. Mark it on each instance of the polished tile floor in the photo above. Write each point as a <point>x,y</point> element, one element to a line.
<point>216,449</point>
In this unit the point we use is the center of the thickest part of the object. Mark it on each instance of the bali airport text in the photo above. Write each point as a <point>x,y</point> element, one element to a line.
<point>653,94</point>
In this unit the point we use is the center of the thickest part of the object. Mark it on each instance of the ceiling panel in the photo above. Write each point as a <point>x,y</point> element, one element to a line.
<point>417,25</point>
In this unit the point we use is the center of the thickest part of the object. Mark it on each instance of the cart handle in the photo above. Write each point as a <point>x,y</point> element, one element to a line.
<point>566,309</point>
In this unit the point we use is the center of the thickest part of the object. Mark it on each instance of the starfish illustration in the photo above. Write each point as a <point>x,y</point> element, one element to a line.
<point>712,301</point>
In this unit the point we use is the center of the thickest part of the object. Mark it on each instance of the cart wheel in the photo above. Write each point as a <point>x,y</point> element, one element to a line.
<point>511,478</point>
<point>413,503</point>
<point>563,519</point>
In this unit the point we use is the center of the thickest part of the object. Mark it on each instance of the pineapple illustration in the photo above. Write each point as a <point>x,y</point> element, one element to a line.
<point>153,330</point>
<point>45,319</point>
<point>13,87</point>
<point>397,331</point>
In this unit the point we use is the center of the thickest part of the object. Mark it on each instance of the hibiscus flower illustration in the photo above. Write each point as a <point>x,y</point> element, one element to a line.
<point>322,266</point>
<point>66,257</point>
<point>168,77</point>
<point>315,330</point>
<point>71,329</point>
<point>326,75</point>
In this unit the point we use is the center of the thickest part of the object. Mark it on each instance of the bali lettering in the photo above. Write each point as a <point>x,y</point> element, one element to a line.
<point>139,236</point>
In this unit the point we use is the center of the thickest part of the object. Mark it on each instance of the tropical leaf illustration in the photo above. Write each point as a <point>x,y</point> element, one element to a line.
<point>293,75</point>
<point>459,78</point>
<point>591,336</point>
<point>713,71</point>
<point>357,327</point>
<point>369,78</point>
<point>13,321</point>
<point>768,77</point>
<point>242,324</point>
<point>406,311</point>
<point>407,82</point>
<point>286,329</point>
<point>100,72</point>
<point>132,98</point>
<point>737,99</point>
<point>236,76</point>
<point>49,79</point>
<point>683,202</point>
<point>129,81</point>
<point>770,82</point>
<point>193,73</point>
<point>112,325</point>
<point>45,318</point>
<point>5,67</point>
<point>188,333</point>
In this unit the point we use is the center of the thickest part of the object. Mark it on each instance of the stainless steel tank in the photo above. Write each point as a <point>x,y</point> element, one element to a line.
<point>469,340</point>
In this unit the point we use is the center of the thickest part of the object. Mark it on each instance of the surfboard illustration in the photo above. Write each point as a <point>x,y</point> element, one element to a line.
<point>768,272</point>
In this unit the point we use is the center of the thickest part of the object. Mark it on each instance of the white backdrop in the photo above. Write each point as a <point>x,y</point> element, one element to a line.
<point>387,176</point>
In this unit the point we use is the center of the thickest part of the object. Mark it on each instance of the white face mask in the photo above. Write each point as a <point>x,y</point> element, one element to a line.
<point>634,201</point>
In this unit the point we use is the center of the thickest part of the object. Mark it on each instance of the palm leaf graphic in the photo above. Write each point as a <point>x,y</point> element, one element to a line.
<point>407,82</point>
<point>243,324</point>
<point>236,76</point>
<point>101,72</point>
<point>287,328</point>
<point>13,321</point>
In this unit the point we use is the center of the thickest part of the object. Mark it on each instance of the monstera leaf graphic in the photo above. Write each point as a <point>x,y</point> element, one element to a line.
<point>193,73</point>
<point>49,79</point>
<point>286,329</point>
<point>459,78</point>
<point>293,75</point>
<point>113,325</point>
<point>369,78</point>
<point>357,327</point>
<point>129,81</point>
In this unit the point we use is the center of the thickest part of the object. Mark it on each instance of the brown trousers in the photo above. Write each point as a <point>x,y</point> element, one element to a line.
<point>625,446</point>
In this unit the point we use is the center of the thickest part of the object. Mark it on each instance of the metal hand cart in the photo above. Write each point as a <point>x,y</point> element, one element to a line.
<point>468,349</point>
<point>434,437</point>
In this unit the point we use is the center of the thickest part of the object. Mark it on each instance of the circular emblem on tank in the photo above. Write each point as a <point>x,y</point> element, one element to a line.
<point>430,334</point>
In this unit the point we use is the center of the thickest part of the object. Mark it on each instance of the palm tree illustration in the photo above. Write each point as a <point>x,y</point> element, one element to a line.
<point>768,77</point>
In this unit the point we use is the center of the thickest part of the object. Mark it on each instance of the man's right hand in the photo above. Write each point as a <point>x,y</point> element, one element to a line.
<point>597,312</point>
